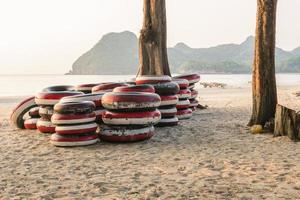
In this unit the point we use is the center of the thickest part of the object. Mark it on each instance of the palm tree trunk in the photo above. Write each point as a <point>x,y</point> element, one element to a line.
<point>153,59</point>
<point>264,80</point>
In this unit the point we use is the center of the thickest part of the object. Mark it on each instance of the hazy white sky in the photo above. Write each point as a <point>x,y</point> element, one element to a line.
<point>47,36</point>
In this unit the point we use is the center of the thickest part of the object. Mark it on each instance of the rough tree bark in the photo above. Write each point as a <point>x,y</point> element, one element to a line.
<point>263,81</point>
<point>153,59</point>
<point>287,122</point>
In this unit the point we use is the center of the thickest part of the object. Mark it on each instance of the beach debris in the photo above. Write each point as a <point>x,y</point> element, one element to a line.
<point>201,107</point>
<point>213,85</point>
<point>297,94</point>
<point>287,123</point>
<point>256,129</point>
<point>269,126</point>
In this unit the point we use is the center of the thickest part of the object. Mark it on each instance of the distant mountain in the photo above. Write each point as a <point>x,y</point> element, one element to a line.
<point>117,53</point>
<point>296,51</point>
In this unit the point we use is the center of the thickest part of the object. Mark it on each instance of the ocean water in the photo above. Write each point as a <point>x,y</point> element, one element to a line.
<point>19,85</point>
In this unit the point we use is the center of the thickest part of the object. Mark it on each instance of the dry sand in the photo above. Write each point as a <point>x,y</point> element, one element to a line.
<point>211,156</point>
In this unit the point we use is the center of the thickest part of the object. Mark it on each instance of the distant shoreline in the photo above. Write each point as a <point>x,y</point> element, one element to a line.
<point>204,73</point>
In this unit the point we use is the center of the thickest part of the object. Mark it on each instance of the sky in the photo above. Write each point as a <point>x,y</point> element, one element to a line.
<point>46,37</point>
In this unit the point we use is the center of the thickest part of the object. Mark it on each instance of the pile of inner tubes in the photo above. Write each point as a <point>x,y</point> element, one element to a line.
<point>18,114</point>
<point>96,98</point>
<point>168,93</point>
<point>131,112</point>
<point>46,100</point>
<point>106,87</point>
<point>192,79</point>
<point>34,116</point>
<point>122,112</point>
<point>75,124</point>
<point>183,110</point>
<point>86,88</point>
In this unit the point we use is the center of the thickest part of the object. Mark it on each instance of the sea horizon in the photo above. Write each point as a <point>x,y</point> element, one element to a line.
<point>33,83</point>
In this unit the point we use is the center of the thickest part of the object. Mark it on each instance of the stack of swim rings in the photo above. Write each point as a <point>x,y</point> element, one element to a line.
<point>183,110</point>
<point>34,116</point>
<point>96,98</point>
<point>75,124</point>
<point>107,87</point>
<point>131,114</point>
<point>193,100</point>
<point>18,114</point>
<point>192,79</point>
<point>85,88</point>
<point>168,93</point>
<point>101,89</point>
<point>46,100</point>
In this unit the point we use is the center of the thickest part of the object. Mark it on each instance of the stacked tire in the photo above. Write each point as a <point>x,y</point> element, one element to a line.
<point>192,79</point>
<point>183,110</point>
<point>193,100</point>
<point>34,116</point>
<point>95,97</point>
<point>130,115</point>
<point>168,93</point>
<point>19,113</point>
<point>46,101</point>
<point>107,87</point>
<point>85,88</point>
<point>75,124</point>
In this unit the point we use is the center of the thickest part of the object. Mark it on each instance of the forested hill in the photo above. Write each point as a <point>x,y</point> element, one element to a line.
<point>117,53</point>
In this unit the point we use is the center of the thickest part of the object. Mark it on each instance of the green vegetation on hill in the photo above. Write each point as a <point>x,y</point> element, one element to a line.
<point>117,53</point>
<point>291,65</point>
<point>218,67</point>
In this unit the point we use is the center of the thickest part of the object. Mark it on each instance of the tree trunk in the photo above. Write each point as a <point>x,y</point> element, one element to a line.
<point>263,80</point>
<point>287,122</point>
<point>153,59</point>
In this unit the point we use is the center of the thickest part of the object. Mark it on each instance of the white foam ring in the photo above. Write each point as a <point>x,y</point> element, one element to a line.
<point>194,81</point>
<point>183,102</point>
<point>181,96</point>
<point>169,102</point>
<point>31,121</point>
<point>44,123</point>
<point>168,120</point>
<point>168,110</point>
<point>82,98</point>
<point>46,101</point>
<point>76,127</point>
<point>153,78</point>
<point>73,144</point>
<point>45,111</point>
<point>185,116</point>
<point>72,121</point>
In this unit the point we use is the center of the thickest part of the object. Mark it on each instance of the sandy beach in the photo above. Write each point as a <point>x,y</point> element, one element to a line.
<point>211,156</point>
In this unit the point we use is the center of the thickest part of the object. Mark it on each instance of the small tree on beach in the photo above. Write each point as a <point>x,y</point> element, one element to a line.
<point>264,80</point>
<point>153,59</point>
